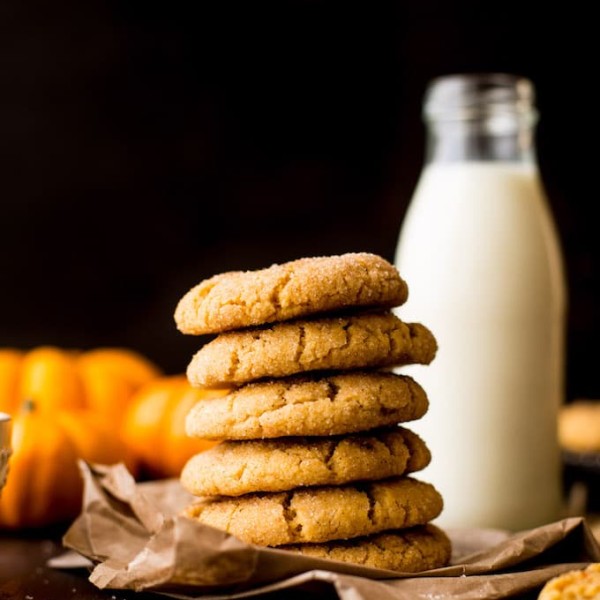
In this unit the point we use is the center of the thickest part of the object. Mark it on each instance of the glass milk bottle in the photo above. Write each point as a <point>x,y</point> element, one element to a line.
<point>480,253</point>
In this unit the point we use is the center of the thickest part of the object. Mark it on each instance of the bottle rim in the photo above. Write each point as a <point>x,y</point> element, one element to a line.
<point>468,96</point>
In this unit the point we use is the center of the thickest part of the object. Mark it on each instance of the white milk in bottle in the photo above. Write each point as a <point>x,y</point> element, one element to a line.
<point>480,253</point>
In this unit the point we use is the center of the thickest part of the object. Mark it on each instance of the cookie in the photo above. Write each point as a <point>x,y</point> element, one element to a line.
<point>334,343</point>
<point>321,514</point>
<point>295,289</point>
<point>236,468</point>
<point>579,426</point>
<point>408,550</point>
<point>306,406</point>
<point>579,584</point>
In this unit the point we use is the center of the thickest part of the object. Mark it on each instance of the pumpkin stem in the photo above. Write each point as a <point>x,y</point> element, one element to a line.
<point>28,405</point>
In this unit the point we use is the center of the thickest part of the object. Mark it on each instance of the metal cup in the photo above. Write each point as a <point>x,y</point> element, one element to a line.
<point>5,447</point>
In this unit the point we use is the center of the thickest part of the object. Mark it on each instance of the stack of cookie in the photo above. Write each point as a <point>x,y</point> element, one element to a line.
<point>311,455</point>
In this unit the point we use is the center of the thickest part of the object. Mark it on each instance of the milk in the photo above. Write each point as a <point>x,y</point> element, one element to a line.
<point>480,254</point>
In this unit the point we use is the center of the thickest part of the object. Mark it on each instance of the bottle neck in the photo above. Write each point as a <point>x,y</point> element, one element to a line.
<point>504,137</point>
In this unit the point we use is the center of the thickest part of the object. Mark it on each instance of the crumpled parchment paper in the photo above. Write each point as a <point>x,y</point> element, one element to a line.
<point>135,538</point>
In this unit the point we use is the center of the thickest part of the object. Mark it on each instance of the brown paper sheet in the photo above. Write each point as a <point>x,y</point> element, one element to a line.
<point>136,539</point>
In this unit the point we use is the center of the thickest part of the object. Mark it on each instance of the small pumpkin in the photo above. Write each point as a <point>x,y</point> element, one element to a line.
<point>44,485</point>
<point>10,363</point>
<point>49,375</point>
<point>154,425</point>
<point>110,377</point>
<point>57,379</point>
<point>96,439</point>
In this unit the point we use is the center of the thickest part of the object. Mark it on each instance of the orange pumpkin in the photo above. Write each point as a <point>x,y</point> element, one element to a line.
<point>49,376</point>
<point>154,425</point>
<point>10,365</point>
<point>44,484</point>
<point>57,379</point>
<point>110,377</point>
<point>95,438</point>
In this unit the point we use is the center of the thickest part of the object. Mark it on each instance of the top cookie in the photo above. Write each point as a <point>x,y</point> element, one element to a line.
<point>307,286</point>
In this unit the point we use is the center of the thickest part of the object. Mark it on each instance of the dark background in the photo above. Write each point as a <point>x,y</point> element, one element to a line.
<point>145,146</point>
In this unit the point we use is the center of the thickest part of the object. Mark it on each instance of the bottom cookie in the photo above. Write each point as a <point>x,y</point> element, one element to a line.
<point>408,551</point>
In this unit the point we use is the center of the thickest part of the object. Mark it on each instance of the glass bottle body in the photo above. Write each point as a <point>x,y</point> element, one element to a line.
<point>481,256</point>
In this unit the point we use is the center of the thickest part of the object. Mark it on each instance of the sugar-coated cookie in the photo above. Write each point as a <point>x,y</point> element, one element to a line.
<point>295,289</point>
<point>308,406</point>
<point>321,514</point>
<point>405,550</point>
<point>236,468</point>
<point>579,584</point>
<point>333,343</point>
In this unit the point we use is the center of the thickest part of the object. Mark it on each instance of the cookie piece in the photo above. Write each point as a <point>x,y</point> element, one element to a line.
<point>338,343</point>
<point>579,584</point>
<point>304,406</point>
<point>236,468</point>
<point>321,514</point>
<point>407,550</point>
<point>295,289</point>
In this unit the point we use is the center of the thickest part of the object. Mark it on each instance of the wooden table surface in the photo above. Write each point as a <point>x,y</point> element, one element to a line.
<point>24,575</point>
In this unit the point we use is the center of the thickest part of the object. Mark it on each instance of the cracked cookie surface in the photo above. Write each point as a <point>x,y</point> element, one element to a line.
<point>335,343</point>
<point>290,290</point>
<point>309,406</point>
<point>321,514</point>
<point>236,468</point>
<point>409,551</point>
